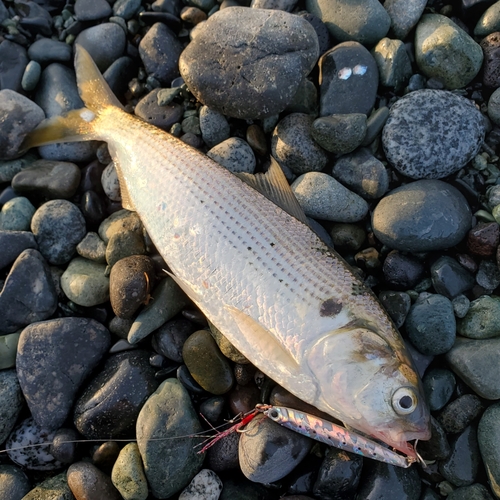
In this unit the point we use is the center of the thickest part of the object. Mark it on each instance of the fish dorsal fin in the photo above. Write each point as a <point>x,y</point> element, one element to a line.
<point>274,186</point>
<point>124,193</point>
<point>92,86</point>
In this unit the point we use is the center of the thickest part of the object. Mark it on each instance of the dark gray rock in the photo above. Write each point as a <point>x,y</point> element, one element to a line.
<point>92,10</point>
<point>449,278</point>
<point>64,445</point>
<point>54,359</point>
<point>11,403</point>
<point>402,272</point>
<point>57,486</point>
<point>431,134</point>
<point>13,243</point>
<point>437,447</point>
<point>482,318</point>
<point>439,385</point>
<point>119,73</point>
<point>228,63</point>
<point>321,30</point>
<point>472,492</point>
<point>14,61</point>
<point>339,134</point>
<point>214,127</point>
<point>404,15</point>
<point>460,413</point>
<point>397,304</point>
<point>488,434</point>
<point>14,483</point>
<point>160,116</point>
<point>47,50</point>
<point>87,481</point>
<point>170,337</point>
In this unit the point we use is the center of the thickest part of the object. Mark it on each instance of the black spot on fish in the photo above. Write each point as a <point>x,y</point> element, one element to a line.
<point>272,244</point>
<point>330,307</point>
<point>249,248</point>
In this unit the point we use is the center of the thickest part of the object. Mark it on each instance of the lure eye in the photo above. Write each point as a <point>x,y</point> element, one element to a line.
<point>404,401</point>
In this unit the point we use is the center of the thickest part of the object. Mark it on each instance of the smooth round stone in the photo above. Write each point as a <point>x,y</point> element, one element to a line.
<point>402,272</point>
<point>237,49</point>
<point>128,474</point>
<point>363,173</point>
<point>86,481</point>
<point>9,168</point>
<point>124,244</point>
<point>119,73</point>
<point>159,51</point>
<point>28,295</point>
<point>482,321</point>
<point>235,154</point>
<point>92,248</point>
<point>14,60</point>
<point>375,124</point>
<point>364,21</point>
<point>105,42</point>
<point>206,485</point>
<point>347,236</point>
<point>207,364</point>
<point>404,15</point>
<point>169,339</point>
<point>294,147</point>
<point>64,445</point>
<point>58,226</point>
<point>453,129</point>
<point>193,15</point>
<point>54,358</point>
<point>488,435</point>
<point>223,455</point>
<point>460,413</point>
<point>16,214</point>
<point>18,116</point>
<point>162,116</point>
<point>349,80</point>
<point>461,467</point>
<point>422,216</point>
<point>436,38</point>
<point>461,306</point>
<point>126,8</point>
<point>14,484</point>
<point>112,400</point>
<point>439,385</point>
<point>286,5</point>
<point>268,451</point>
<point>46,50</point>
<point>57,487</point>
<point>472,492</point>
<point>397,304</point>
<point>322,197</point>
<point>489,22</point>
<point>305,99</point>
<point>340,134</point>
<point>226,347</point>
<point>92,10</point>
<point>476,363</point>
<point>437,447</point>
<point>8,351</point>
<point>50,179</point>
<point>491,65</point>
<point>170,464</point>
<point>214,126</point>
<point>394,65</point>
<point>93,207</point>
<point>106,454</point>
<point>449,278</point>
<point>483,239</point>
<point>84,282</point>
<point>11,403</point>
<point>243,399</point>
<point>123,220</point>
<point>110,183</point>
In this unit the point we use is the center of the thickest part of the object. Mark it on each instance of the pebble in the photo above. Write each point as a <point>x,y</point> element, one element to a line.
<point>63,446</point>
<point>482,320</point>
<point>110,183</point>
<point>488,275</point>
<point>54,358</point>
<point>162,116</point>
<point>436,38</point>
<point>126,8</point>
<point>92,10</point>
<point>349,80</point>
<point>28,294</point>
<point>422,216</point>
<point>14,59</point>
<point>375,124</point>
<point>235,154</point>
<point>9,168</point>
<point>210,63</point>
<point>47,50</point>
<point>437,448</point>
<point>347,236</point>
<point>439,385</point>
<point>402,272</point>
<point>11,403</point>
<point>460,413</point>
<point>57,487</point>
<point>92,248</point>
<point>214,126</point>
<point>476,363</point>
<point>84,282</point>
<point>453,127</point>
<point>397,304</point>
<point>394,65</point>
<point>483,239</point>
<point>169,339</point>
<point>364,21</point>
<point>169,464</point>
<point>431,325</point>
<point>363,173</point>
<point>256,139</point>
<point>489,22</point>
<point>339,134</point>
<point>449,278</point>
<point>489,437</point>
<point>111,401</point>
<point>293,145</point>
<point>243,399</point>
<point>223,455</point>
<point>461,305</point>
<point>14,484</point>
<point>106,454</point>
<point>305,99</point>
<point>18,116</point>
<point>286,5</point>
<point>16,214</point>
<point>120,221</point>
<point>87,482</point>
<point>124,244</point>
<point>48,179</point>
<point>206,485</point>
<point>491,64</point>
<point>128,474</point>
<point>404,15</point>
<point>268,451</point>
<point>193,15</point>
<point>322,197</point>
<point>120,73</point>
<point>472,492</point>
<point>207,364</point>
<point>8,350</point>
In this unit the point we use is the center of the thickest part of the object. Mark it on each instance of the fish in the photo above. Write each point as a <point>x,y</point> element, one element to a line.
<point>241,249</point>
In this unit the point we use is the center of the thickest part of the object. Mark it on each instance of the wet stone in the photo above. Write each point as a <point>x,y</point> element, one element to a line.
<point>449,278</point>
<point>86,481</point>
<point>13,243</point>
<point>206,485</point>
<point>488,437</point>
<point>340,134</point>
<point>483,239</point>
<point>14,484</point>
<point>234,154</point>
<point>169,339</point>
<point>402,272</point>
<point>437,447</point>
<point>491,65</point>
<point>11,402</point>
<point>482,318</point>
<point>128,474</point>
<point>16,214</point>
<point>439,385</point>
<point>162,116</point>
<point>349,80</point>
<point>397,304</point>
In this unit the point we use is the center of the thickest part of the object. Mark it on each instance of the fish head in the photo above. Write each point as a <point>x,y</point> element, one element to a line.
<point>363,382</point>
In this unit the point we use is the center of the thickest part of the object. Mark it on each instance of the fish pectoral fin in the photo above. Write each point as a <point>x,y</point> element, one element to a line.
<point>187,288</point>
<point>255,334</point>
<point>274,186</point>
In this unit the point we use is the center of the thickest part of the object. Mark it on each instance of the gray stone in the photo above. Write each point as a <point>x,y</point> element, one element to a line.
<point>162,116</point>
<point>169,464</point>
<point>9,168</point>
<point>47,50</point>
<point>431,134</point>
<point>110,183</point>
<point>489,22</point>
<point>8,350</point>
<point>234,154</point>
<point>472,492</point>
<point>286,5</point>
<point>394,65</point>
<point>364,21</point>
<point>436,38</point>
<point>488,434</point>
<point>126,8</point>
<point>31,76</point>
<point>57,487</point>
<point>422,216</point>
<point>461,305</point>
<point>120,221</point>
<point>305,99</point>
<point>494,107</point>
<point>87,481</point>
<point>91,10</point>
<point>488,275</point>
<point>206,485</point>
<point>16,214</point>
<point>397,304</point>
<point>404,15</point>
<point>124,244</point>
<point>322,197</point>
<point>14,60</point>
<point>228,64</point>
<point>340,134</point>
<point>14,484</point>
<point>449,278</point>
<point>92,248</point>
<point>11,403</point>
<point>439,385</point>
<point>482,321</point>
<point>128,474</point>
<point>214,126</point>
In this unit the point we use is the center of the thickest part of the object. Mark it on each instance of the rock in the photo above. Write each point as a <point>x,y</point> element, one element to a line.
<point>363,21</point>
<point>349,80</point>
<point>8,350</point>
<point>92,10</point>
<point>56,486</point>
<point>18,116</point>
<point>205,486</point>
<point>436,38</point>
<point>394,65</point>
<point>214,126</point>
<point>402,272</point>
<point>11,403</point>
<point>46,50</point>
<point>482,319</point>
<point>268,452</point>
<point>234,154</point>
<point>347,236</point>
<point>92,248</point>
<point>128,474</point>
<point>475,362</point>
<point>305,99</point>
<point>422,216</point>
<point>489,22</point>
<point>14,484</point>
<point>472,492</point>
<point>169,464</point>
<point>54,358</point>
<point>397,304</point>
<point>9,168</point>
<point>16,214</point>
<point>31,76</point>
<point>483,239</point>
<point>294,147</point>
<point>228,62</point>
<point>110,183</point>
<point>118,222</point>
<point>64,445</point>
<point>86,481</point>
<point>124,244</point>
<point>488,437</point>
<point>106,454</point>
<point>437,448</point>
<point>13,243</point>
<point>452,126</point>
<point>162,116</point>
<point>339,134</point>
<point>460,413</point>
<point>14,60</point>
<point>322,197</point>
<point>491,65</point>
<point>404,15</point>
<point>126,9</point>
<point>439,385</point>
<point>28,294</point>
<point>84,282</point>
<point>169,339</point>
<point>256,139</point>
<point>449,278</point>
<point>223,455</point>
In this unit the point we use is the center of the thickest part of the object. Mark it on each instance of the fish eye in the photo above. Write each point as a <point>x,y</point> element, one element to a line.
<point>404,401</point>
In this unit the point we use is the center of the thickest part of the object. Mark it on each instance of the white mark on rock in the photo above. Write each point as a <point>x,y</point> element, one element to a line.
<point>359,69</point>
<point>345,73</point>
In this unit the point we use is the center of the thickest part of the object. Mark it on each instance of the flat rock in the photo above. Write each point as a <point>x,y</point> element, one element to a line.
<point>160,116</point>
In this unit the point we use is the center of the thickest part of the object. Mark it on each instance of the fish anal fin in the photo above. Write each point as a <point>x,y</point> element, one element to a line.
<point>185,287</point>
<point>274,186</point>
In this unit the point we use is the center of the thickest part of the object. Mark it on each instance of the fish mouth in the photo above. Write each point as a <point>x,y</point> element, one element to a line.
<point>401,441</point>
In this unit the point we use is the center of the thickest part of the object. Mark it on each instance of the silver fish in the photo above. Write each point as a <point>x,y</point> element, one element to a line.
<point>288,302</point>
